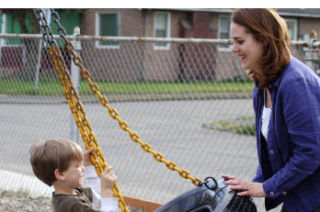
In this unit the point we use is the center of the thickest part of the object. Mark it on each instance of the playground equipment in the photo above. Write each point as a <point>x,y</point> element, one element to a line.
<point>209,196</point>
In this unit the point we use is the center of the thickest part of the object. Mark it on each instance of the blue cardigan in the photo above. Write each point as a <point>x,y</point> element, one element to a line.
<point>289,162</point>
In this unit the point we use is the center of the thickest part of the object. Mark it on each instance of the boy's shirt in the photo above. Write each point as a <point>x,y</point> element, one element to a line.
<point>86,199</point>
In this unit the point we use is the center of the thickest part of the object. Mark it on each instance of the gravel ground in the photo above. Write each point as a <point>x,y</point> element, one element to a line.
<point>21,202</point>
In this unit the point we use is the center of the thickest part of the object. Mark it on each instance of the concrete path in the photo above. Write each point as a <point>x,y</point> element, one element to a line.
<point>172,127</point>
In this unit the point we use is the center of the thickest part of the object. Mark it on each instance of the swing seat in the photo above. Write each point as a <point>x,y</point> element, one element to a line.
<point>210,198</point>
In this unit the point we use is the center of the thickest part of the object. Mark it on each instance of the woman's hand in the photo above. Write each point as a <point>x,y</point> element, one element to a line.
<point>86,157</point>
<point>247,188</point>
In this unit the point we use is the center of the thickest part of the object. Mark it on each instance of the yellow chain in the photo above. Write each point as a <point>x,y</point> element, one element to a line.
<point>122,124</point>
<point>81,120</point>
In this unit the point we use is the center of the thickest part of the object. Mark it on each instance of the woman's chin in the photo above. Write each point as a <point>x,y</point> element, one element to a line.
<point>244,66</point>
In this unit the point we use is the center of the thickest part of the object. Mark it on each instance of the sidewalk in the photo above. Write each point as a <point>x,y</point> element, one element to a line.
<point>15,181</point>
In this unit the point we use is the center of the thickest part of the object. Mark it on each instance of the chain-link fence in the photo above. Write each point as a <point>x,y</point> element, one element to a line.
<point>189,98</point>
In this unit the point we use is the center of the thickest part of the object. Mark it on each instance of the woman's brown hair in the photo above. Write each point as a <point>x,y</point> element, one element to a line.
<point>267,27</point>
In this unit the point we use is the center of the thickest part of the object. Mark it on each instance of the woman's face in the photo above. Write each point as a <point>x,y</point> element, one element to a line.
<point>247,48</point>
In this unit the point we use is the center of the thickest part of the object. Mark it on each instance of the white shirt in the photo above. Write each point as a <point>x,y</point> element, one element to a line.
<point>265,121</point>
<point>94,182</point>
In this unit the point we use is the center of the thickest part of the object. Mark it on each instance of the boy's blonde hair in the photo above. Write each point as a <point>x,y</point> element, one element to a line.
<point>53,154</point>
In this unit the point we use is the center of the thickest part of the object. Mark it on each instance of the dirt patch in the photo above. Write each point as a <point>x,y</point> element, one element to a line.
<point>21,201</point>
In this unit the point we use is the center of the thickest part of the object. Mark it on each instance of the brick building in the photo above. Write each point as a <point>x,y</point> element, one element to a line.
<point>117,61</point>
<point>213,62</point>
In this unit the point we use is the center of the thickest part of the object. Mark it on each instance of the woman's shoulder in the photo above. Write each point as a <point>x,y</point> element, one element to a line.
<point>296,70</point>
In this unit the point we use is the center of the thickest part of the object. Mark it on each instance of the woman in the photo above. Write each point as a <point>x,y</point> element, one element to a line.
<point>286,101</point>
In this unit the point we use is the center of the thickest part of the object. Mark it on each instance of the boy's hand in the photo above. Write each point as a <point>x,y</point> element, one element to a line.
<point>86,157</point>
<point>108,179</point>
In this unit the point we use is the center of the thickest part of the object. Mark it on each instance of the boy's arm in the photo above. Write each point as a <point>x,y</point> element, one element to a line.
<point>73,203</point>
<point>90,175</point>
<point>92,179</point>
<point>107,202</point>
<point>109,205</point>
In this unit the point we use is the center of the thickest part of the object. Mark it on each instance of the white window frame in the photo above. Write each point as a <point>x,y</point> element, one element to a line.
<point>167,46</point>
<point>220,48</point>
<point>295,30</point>
<point>97,30</point>
<point>3,28</point>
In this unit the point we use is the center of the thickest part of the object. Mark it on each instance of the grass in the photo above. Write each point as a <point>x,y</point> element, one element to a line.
<point>47,86</point>
<point>20,193</point>
<point>243,125</point>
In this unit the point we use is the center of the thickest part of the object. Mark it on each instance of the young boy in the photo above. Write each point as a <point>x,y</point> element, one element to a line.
<point>58,162</point>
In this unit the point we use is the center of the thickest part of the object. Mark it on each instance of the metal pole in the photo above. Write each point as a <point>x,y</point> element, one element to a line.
<point>38,66</point>
<point>311,54</point>
<point>48,14</point>
<point>75,77</point>
<point>3,30</point>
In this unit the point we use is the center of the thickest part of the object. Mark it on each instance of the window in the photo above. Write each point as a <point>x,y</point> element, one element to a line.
<point>2,27</point>
<point>108,24</point>
<point>292,28</point>
<point>224,31</point>
<point>1,18</point>
<point>162,29</point>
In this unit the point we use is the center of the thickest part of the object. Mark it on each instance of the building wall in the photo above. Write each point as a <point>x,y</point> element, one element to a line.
<point>131,21</point>
<point>137,61</point>
<point>308,24</point>
<point>227,64</point>
<point>114,64</point>
<point>162,64</point>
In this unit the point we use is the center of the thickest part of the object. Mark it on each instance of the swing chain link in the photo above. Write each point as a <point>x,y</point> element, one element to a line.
<point>135,137</point>
<point>45,30</point>
<point>123,124</point>
<point>74,102</point>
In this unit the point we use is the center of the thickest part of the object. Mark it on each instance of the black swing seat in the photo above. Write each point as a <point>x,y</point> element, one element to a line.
<point>213,196</point>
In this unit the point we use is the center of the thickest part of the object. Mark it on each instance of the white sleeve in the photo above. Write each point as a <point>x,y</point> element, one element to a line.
<point>92,179</point>
<point>94,182</point>
<point>109,205</point>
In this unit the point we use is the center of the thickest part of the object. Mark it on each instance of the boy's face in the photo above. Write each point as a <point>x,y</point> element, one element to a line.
<point>74,174</point>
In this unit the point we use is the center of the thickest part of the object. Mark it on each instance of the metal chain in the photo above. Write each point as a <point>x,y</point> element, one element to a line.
<point>113,112</point>
<point>74,102</point>
<point>72,95</point>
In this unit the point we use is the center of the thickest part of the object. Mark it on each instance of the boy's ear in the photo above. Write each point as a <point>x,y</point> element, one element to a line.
<point>58,174</point>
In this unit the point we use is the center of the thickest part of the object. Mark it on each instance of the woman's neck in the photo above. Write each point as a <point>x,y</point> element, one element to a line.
<point>268,102</point>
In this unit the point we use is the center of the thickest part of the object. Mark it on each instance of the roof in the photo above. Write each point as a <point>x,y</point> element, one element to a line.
<point>303,12</point>
<point>288,12</point>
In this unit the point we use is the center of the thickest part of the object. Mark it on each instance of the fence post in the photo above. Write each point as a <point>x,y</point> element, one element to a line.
<point>311,56</point>
<point>75,77</point>
<point>3,31</point>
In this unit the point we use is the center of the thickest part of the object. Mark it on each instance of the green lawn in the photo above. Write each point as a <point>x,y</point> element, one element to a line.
<point>52,87</point>
<point>241,125</point>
